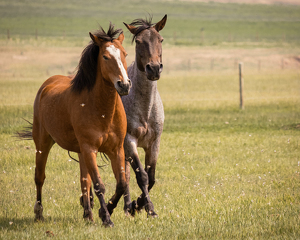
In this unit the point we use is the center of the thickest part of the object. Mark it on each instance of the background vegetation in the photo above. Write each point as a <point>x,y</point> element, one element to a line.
<point>222,172</point>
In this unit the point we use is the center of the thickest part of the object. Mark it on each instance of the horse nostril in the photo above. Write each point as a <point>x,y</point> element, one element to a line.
<point>119,83</point>
<point>129,81</point>
<point>161,66</point>
<point>148,68</point>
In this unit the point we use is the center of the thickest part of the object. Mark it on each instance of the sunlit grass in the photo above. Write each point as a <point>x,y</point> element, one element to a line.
<point>222,172</point>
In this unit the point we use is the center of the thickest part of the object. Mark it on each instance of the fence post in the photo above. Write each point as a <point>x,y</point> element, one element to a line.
<point>241,85</point>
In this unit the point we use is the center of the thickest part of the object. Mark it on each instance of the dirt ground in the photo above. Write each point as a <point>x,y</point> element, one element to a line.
<point>42,61</point>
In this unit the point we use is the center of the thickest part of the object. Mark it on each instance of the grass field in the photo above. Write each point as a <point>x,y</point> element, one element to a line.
<point>222,173</point>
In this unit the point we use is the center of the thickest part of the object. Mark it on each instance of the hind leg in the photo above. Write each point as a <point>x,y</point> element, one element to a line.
<point>43,145</point>
<point>85,200</point>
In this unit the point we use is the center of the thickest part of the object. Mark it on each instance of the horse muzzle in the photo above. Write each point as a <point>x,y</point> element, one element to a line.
<point>123,88</point>
<point>153,71</point>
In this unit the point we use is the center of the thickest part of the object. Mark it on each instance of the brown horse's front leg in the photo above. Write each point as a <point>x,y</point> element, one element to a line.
<point>85,181</point>
<point>89,158</point>
<point>118,166</point>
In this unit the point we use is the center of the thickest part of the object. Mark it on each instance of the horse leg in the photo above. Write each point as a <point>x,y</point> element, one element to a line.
<point>43,145</point>
<point>118,166</point>
<point>85,180</point>
<point>129,207</point>
<point>150,162</point>
<point>89,158</point>
<point>142,180</point>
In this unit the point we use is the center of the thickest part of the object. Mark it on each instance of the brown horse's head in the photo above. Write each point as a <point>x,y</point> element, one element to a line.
<point>111,61</point>
<point>148,46</point>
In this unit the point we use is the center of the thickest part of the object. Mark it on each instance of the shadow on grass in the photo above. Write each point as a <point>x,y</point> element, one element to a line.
<point>12,224</point>
<point>294,126</point>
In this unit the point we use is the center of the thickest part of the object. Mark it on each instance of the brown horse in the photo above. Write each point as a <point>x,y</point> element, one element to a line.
<point>85,115</point>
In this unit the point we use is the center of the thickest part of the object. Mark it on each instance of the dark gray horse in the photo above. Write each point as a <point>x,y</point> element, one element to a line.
<point>144,111</point>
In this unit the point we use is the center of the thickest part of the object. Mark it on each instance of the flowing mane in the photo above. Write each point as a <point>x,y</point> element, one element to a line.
<point>141,25</point>
<point>87,67</point>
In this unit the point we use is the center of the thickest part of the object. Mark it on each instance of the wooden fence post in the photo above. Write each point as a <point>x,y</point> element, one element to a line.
<point>241,85</point>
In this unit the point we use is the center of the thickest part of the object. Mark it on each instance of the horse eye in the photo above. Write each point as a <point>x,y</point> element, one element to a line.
<point>105,58</point>
<point>137,41</point>
<point>161,40</point>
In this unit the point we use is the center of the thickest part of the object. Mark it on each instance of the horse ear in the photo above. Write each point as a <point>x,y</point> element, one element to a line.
<point>131,28</point>
<point>121,37</point>
<point>95,39</point>
<point>160,25</point>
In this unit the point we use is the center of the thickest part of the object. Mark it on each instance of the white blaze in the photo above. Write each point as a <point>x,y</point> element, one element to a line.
<point>115,52</point>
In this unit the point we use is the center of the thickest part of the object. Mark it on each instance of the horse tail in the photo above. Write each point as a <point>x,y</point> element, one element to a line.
<point>25,134</point>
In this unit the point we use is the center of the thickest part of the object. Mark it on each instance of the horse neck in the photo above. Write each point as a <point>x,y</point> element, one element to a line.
<point>104,97</point>
<point>144,90</point>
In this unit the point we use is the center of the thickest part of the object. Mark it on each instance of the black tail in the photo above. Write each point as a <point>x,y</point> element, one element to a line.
<point>26,134</point>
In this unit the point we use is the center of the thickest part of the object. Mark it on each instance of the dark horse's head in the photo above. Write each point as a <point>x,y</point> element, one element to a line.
<point>148,45</point>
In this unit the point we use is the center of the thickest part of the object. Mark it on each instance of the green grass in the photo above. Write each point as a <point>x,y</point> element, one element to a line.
<point>222,172</point>
<point>189,23</point>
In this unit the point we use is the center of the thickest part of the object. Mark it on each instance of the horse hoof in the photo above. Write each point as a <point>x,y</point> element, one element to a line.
<point>150,210</point>
<point>105,217</point>
<point>39,219</point>
<point>108,224</point>
<point>131,209</point>
<point>38,210</point>
<point>88,215</point>
<point>152,214</point>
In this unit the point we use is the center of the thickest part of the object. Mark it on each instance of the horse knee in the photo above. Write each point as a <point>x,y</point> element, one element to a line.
<point>99,189</point>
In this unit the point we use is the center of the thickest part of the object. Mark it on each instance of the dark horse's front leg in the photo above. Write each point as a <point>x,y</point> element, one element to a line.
<point>143,181</point>
<point>145,177</point>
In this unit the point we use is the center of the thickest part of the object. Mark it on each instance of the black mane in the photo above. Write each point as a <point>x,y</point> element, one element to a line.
<point>141,25</point>
<point>87,67</point>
